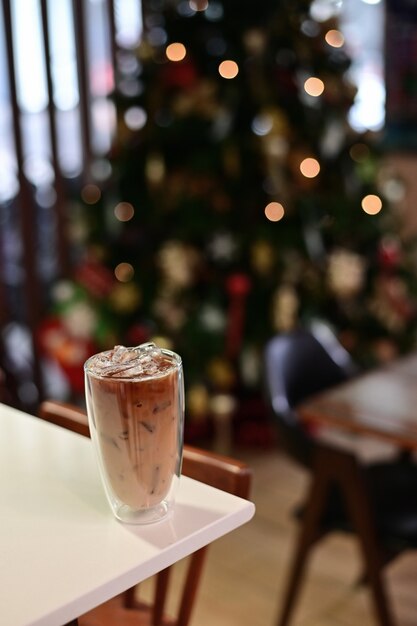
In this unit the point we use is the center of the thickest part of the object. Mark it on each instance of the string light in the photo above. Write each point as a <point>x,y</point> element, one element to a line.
<point>135,118</point>
<point>176,52</point>
<point>90,194</point>
<point>334,38</point>
<point>228,69</point>
<point>371,204</point>
<point>124,211</point>
<point>124,272</point>
<point>310,167</point>
<point>274,211</point>
<point>314,86</point>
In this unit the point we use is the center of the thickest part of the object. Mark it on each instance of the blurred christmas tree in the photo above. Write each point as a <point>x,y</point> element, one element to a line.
<point>240,203</point>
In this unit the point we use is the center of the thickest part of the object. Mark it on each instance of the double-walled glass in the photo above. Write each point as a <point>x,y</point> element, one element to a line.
<point>136,421</point>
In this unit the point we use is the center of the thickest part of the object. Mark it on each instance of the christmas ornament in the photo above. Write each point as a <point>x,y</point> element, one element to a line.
<point>125,298</point>
<point>67,351</point>
<point>221,373</point>
<point>63,291</point>
<point>285,306</point>
<point>139,333</point>
<point>262,257</point>
<point>197,401</point>
<point>212,318</point>
<point>222,405</point>
<point>80,320</point>
<point>97,279</point>
<point>222,247</point>
<point>155,170</point>
<point>180,75</point>
<point>238,287</point>
<point>251,366</point>
<point>345,273</point>
<point>391,303</point>
<point>390,253</point>
<point>178,263</point>
<point>222,408</point>
<point>171,313</point>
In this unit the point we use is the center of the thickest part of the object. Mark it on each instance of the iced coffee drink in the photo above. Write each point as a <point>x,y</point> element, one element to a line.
<point>135,408</point>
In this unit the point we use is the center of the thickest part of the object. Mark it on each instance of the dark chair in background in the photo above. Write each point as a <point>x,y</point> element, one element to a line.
<point>298,365</point>
<point>377,502</point>
<point>213,469</point>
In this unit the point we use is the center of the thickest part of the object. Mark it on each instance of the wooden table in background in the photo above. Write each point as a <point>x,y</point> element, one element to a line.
<point>381,403</point>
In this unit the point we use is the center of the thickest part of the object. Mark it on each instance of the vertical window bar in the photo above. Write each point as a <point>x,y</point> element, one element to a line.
<point>31,287</point>
<point>81,48</point>
<point>62,243</point>
<point>112,34</point>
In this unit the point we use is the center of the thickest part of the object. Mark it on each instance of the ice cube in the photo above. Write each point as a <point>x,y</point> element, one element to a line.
<point>121,362</point>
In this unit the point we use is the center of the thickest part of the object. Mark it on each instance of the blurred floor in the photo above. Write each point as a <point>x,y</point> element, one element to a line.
<point>246,570</point>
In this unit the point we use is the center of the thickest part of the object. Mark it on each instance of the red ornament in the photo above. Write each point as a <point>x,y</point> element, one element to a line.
<point>180,75</point>
<point>137,334</point>
<point>238,287</point>
<point>389,254</point>
<point>95,277</point>
<point>69,352</point>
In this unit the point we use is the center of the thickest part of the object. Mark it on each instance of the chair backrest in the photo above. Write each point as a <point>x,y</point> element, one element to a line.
<point>297,365</point>
<point>220,471</point>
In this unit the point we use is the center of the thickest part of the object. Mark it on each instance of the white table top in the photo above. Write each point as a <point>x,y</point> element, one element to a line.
<point>61,550</point>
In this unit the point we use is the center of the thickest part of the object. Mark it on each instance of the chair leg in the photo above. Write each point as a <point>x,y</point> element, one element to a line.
<point>360,512</point>
<point>336,467</point>
<point>129,599</point>
<point>194,573</point>
<point>307,536</point>
<point>162,580</point>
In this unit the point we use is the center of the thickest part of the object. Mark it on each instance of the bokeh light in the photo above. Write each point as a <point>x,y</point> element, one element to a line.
<point>135,118</point>
<point>334,38</point>
<point>314,86</point>
<point>274,211</point>
<point>310,167</point>
<point>176,51</point>
<point>371,204</point>
<point>124,211</point>
<point>90,194</point>
<point>228,69</point>
<point>124,272</point>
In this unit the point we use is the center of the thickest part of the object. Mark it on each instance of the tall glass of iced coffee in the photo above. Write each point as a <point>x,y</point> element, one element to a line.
<point>135,405</point>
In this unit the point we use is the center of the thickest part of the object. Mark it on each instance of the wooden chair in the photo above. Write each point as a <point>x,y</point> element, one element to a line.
<point>213,469</point>
<point>376,501</point>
